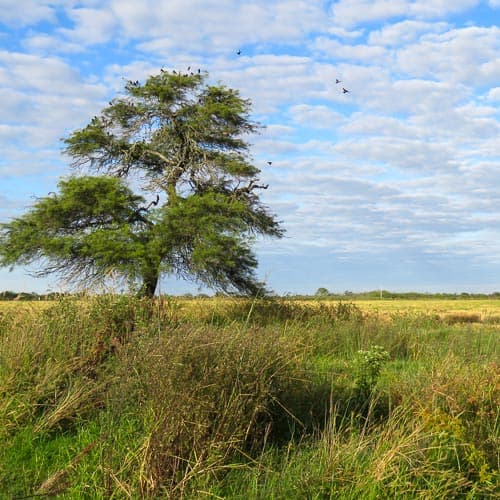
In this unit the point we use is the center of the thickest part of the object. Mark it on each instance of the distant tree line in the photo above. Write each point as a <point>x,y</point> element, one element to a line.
<point>9,295</point>
<point>321,293</point>
<point>386,294</point>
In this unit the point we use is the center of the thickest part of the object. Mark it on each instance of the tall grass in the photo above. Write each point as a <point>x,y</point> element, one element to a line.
<point>115,397</point>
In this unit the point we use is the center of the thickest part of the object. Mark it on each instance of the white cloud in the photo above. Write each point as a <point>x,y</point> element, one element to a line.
<point>494,94</point>
<point>27,72</point>
<point>400,153</point>
<point>434,8</point>
<point>342,32</point>
<point>221,27</point>
<point>414,96</point>
<point>13,13</point>
<point>44,98</point>
<point>91,26</point>
<point>353,12</point>
<point>47,44</point>
<point>369,125</point>
<point>404,32</point>
<point>360,52</point>
<point>467,55</point>
<point>317,117</point>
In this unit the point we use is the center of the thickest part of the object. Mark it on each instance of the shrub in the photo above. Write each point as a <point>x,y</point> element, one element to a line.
<point>209,396</point>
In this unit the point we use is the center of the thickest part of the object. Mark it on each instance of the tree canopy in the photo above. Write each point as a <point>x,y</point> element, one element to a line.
<point>165,185</point>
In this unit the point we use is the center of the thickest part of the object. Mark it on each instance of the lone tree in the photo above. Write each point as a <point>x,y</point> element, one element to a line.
<point>178,142</point>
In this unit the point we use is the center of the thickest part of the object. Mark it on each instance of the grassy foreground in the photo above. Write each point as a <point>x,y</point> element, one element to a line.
<point>113,397</point>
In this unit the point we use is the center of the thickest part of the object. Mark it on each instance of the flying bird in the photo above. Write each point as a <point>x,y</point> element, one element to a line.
<point>238,52</point>
<point>337,80</point>
<point>269,162</point>
<point>344,90</point>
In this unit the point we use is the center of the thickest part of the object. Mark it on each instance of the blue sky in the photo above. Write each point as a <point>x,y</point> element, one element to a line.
<point>394,184</point>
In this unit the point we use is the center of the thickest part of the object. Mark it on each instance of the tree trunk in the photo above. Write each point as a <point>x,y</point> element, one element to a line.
<point>149,285</point>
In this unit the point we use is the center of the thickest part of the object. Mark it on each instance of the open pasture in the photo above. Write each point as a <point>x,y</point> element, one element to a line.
<point>452,310</point>
<point>467,308</point>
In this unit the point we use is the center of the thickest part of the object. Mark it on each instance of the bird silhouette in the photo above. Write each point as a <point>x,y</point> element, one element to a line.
<point>269,162</point>
<point>337,80</point>
<point>238,52</point>
<point>345,91</point>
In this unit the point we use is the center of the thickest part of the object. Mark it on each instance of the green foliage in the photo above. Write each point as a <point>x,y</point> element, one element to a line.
<point>90,228</point>
<point>181,141</point>
<point>367,366</point>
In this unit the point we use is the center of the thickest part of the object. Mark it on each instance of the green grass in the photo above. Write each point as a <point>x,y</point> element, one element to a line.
<point>114,397</point>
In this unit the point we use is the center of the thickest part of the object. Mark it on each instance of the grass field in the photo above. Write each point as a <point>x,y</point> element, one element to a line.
<point>114,397</point>
<point>483,307</point>
<point>460,310</point>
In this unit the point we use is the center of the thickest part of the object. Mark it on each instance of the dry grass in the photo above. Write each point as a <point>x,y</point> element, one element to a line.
<point>204,308</point>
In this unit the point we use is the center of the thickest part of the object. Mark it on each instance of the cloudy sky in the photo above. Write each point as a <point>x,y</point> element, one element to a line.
<point>394,184</point>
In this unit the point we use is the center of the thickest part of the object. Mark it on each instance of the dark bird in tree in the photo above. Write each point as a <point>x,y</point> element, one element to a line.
<point>199,70</point>
<point>337,80</point>
<point>180,138</point>
<point>345,91</point>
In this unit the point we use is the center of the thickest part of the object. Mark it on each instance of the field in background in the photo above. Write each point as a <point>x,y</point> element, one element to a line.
<point>466,310</point>
<point>115,397</point>
<point>485,308</point>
